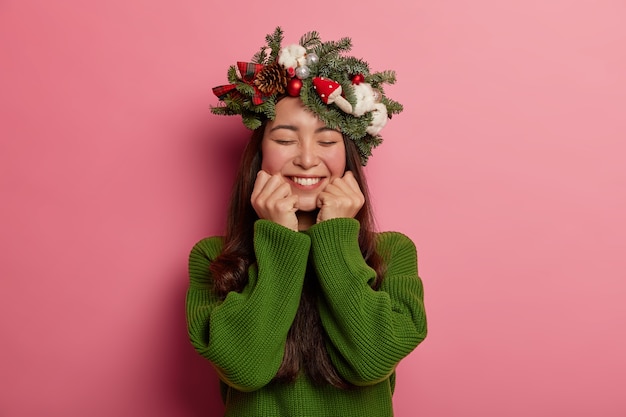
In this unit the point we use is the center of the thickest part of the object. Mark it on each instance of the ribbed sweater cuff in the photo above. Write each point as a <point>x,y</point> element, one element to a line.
<point>274,241</point>
<point>281,254</point>
<point>336,253</point>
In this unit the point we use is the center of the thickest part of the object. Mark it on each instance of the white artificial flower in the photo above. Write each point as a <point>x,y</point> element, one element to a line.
<point>379,119</point>
<point>292,55</point>
<point>365,99</point>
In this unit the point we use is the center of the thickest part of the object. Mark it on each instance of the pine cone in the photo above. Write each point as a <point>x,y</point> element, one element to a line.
<point>273,78</point>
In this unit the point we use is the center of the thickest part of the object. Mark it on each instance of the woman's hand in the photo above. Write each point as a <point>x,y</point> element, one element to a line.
<point>341,198</point>
<point>272,200</point>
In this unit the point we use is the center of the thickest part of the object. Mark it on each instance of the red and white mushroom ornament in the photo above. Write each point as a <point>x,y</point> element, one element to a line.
<point>330,92</point>
<point>367,100</point>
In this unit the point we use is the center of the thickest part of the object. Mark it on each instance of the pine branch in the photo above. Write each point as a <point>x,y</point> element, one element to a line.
<point>267,108</point>
<point>273,42</point>
<point>348,91</point>
<point>355,127</point>
<point>245,89</point>
<point>310,40</point>
<point>223,111</point>
<point>354,66</point>
<point>329,114</point>
<point>232,75</point>
<point>260,57</point>
<point>234,105</point>
<point>332,49</point>
<point>251,122</point>
<point>383,77</point>
<point>365,146</point>
<point>393,107</point>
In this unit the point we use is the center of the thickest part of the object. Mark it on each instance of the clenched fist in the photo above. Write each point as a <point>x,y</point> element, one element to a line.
<point>273,200</point>
<point>341,198</point>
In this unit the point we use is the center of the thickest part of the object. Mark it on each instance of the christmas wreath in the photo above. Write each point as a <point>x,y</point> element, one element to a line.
<point>339,89</point>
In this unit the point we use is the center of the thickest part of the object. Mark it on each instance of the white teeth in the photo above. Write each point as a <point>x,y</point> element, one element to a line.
<point>306,181</point>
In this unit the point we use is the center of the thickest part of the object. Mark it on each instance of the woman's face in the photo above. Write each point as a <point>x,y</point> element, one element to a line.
<point>301,149</point>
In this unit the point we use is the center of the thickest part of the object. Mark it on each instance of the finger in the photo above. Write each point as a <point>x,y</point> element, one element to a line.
<point>267,185</point>
<point>267,191</point>
<point>283,212</point>
<point>320,199</point>
<point>340,187</point>
<point>287,204</point>
<point>259,183</point>
<point>341,198</point>
<point>349,179</point>
<point>269,197</point>
<point>276,186</point>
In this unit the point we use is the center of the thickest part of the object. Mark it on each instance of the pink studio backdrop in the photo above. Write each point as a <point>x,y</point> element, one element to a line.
<point>506,169</point>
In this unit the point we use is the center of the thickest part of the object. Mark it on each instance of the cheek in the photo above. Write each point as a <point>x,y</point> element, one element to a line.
<point>337,163</point>
<point>272,162</point>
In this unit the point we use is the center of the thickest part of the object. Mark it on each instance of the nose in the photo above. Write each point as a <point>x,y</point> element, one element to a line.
<point>307,156</point>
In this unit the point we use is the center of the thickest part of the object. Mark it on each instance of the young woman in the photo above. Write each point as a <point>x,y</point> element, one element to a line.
<point>301,307</point>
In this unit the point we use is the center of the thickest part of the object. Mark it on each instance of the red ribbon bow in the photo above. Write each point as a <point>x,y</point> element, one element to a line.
<point>248,71</point>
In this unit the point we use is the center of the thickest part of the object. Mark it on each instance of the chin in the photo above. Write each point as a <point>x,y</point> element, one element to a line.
<point>307,203</point>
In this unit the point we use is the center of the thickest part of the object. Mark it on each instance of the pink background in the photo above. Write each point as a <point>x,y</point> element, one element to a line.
<point>506,169</point>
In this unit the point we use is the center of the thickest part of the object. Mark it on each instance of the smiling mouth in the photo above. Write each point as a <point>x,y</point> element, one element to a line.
<point>306,181</point>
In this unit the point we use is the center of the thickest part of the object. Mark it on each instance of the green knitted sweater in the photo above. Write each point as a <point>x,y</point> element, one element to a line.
<point>368,332</point>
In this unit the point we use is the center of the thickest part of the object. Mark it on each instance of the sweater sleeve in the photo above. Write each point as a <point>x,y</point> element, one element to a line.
<point>244,334</point>
<point>369,331</point>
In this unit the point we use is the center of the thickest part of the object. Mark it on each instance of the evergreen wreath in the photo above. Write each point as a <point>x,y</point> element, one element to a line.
<point>339,89</point>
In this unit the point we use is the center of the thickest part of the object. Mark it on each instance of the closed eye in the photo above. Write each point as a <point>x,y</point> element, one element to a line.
<point>284,141</point>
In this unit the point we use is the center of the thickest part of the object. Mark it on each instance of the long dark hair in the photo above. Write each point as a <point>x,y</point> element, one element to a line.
<point>306,345</point>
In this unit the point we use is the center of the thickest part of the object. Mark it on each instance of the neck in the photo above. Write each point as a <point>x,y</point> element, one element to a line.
<point>306,219</point>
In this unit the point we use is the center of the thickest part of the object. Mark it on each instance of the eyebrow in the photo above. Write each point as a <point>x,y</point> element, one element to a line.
<point>295,129</point>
